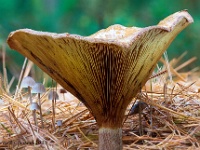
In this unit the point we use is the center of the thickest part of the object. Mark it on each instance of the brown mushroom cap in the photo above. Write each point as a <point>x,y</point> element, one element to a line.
<point>63,91</point>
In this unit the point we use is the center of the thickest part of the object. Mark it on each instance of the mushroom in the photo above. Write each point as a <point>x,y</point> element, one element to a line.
<point>105,70</point>
<point>59,123</point>
<point>39,89</point>
<point>53,96</point>
<point>33,107</point>
<point>63,91</point>
<point>137,108</point>
<point>28,82</point>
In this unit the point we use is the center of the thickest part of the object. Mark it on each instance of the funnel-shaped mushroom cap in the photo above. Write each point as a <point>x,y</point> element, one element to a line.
<point>104,70</point>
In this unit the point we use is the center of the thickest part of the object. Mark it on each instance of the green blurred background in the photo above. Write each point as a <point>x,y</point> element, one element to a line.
<point>85,17</point>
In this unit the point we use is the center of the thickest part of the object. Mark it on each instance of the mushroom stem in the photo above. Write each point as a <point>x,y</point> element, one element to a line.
<point>39,101</point>
<point>34,117</point>
<point>110,139</point>
<point>53,112</point>
<point>140,120</point>
<point>33,111</point>
<point>29,92</point>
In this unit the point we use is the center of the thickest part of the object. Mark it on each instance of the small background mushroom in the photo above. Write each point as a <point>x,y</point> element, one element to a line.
<point>53,96</point>
<point>39,89</point>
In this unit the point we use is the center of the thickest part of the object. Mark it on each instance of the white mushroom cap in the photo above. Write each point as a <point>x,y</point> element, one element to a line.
<point>27,82</point>
<point>38,88</point>
<point>59,123</point>
<point>34,106</point>
<point>53,95</point>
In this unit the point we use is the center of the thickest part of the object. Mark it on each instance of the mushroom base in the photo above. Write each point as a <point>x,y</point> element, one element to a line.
<point>110,139</point>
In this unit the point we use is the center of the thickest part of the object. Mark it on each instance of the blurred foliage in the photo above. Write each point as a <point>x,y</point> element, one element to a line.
<point>85,17</point>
